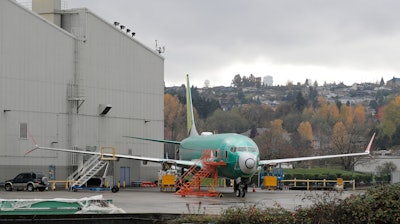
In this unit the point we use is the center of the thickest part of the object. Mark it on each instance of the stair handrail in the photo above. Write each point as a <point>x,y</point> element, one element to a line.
<point>78,172</point>
<point>89,174</point>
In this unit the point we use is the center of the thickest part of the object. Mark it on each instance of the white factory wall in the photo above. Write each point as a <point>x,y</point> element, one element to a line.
<point>38,61</point>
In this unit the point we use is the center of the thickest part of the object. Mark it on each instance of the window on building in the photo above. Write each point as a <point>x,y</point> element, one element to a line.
<point>23,130</point>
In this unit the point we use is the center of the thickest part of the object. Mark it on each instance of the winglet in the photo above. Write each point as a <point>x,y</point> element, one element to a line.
<point>189,107</point>
<point>368,149</point>
<point>34,142</point>
<point>36,147</point>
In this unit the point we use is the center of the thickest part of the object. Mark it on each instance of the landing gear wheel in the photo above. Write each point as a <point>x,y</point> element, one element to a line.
<point>238,192</point>
<point>114,189</point>
<point>243,193</point>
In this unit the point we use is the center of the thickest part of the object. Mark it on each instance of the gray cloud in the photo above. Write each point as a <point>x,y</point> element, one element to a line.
<point>204,37</point>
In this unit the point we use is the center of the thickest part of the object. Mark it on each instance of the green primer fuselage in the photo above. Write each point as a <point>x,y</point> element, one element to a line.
<point>226,145</point>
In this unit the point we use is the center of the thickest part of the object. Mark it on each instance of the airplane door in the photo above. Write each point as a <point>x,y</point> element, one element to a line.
<point>125,175</point>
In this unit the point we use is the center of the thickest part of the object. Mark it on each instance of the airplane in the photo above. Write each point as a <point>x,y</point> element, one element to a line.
<point>239,152</point>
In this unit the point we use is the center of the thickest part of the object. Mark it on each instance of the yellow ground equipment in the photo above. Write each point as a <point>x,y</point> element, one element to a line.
<point>167,180</point>
<point>270,183</point>
<point>271,177</point>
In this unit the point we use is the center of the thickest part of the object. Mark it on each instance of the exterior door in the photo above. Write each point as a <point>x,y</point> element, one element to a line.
<point>125,175</point>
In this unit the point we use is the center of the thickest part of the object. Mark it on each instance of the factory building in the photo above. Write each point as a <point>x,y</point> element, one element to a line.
<point>73,80</point>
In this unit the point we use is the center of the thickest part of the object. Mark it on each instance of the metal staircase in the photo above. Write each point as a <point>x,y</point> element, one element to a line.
<point>89,171</point>
<point>190,181</point>
<point>91,167</point>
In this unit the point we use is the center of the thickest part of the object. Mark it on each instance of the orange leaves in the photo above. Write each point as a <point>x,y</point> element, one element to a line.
<point>305,130</point>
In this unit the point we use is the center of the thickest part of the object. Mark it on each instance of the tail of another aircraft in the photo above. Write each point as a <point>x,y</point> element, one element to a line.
<point>191,126</point>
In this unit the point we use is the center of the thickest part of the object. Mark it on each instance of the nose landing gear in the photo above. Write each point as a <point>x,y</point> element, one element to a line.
<point>240,188</point>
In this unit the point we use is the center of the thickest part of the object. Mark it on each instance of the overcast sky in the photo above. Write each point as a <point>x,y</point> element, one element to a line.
<point>334,41</point>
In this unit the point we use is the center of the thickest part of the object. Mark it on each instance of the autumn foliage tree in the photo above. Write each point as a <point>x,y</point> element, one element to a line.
<point>305,131</point>
<point>174,118</point>
<point>390,121</point>
<point>272,143</point>
<point>348,135</point>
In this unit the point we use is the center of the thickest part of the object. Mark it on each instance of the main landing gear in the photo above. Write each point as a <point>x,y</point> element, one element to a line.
<point>240,187</point>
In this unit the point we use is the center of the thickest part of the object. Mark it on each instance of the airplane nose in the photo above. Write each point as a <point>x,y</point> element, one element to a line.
<point>250,163</point>
<point>247,163</point>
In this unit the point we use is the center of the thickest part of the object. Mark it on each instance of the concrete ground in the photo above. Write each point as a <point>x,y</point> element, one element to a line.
<point>151,200</point>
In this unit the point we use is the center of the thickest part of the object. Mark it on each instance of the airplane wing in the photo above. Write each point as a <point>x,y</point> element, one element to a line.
<point>155,140</point>
<point>275,161</point>
<point>141,158</point>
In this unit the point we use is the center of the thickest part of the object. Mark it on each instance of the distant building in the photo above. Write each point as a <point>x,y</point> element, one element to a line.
<point>394,82</point>
<point>74,80</point>
<point>268,80</point>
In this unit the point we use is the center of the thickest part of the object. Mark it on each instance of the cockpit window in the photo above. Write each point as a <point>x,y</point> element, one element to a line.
<point>243,149</point>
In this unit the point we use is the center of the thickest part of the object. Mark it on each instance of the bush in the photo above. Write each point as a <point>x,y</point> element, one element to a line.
<point>380,204</point>
<point>255,214</point>
<point>288,177</point>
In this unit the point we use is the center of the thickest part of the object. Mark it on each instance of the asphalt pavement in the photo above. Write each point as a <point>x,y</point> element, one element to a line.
<point>151,200</point>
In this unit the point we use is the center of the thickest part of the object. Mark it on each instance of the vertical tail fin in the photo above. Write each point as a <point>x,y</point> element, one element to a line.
<point>191,127</point>
<point>368,149</point>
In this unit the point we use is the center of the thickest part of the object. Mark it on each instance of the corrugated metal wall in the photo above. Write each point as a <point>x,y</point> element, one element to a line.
<point>38,61</point>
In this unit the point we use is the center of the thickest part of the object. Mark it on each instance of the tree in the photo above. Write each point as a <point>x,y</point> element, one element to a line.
<point>312,94</point>
<point>257,115</point>
<point>284,109</point>
<point>272,143</point>
<point>374,105</point>
<point>341,142</point>
<point>346,114</point>
<point>227,122</point>
<point>174,122</point>
<point>359,114</point>
<point>205,107</point>
<point>237,81</point>
<point>382,83</point>
<point>305,131</point>
<point>386,168</point>
<point>174,118</point>
<point>390,118</point>
<point>349,139</point>
<point>245,81</point>
<point>292,121</point>
<point>252,81</point>
<point>300,102</point>
<point>333,113</point>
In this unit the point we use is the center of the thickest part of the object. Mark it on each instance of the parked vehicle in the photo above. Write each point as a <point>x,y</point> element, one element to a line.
<point>29,181</point>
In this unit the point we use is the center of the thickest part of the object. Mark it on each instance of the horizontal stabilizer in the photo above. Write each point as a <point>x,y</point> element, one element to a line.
<point>155,140</point>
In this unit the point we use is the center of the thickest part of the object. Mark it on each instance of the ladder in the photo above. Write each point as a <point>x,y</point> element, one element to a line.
<point>209,169</point>
<point>87,171</point>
